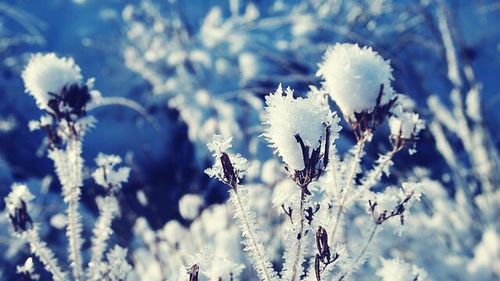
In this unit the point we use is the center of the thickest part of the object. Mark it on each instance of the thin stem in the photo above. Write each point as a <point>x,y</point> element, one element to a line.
<point>301,236</point>
<point>251,237</point>
<point>373,176</point>
<point>73,228</point>
<point>352,175</point>
<point>74,239</point>
<point>370,239</point>
<point>45,255</point>
<point>368,242</point>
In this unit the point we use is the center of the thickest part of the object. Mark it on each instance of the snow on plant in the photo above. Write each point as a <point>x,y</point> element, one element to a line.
<point>359,81</point>
<point>303,131</point>
<point>56,84</point>
<point>299,124</point>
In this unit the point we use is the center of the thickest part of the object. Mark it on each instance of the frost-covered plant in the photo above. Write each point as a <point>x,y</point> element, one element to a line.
<point>359,81</point>
<point>302,131</point>
<point>56,84</point>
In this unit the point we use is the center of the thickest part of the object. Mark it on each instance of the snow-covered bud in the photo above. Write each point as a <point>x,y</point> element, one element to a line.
<point>405,127</point>
<point>17,208</point>
<point>228,168</point>
<point>301,131</point>
<point>106,175</point>
<point>359,81</point>
<point>56,84</point>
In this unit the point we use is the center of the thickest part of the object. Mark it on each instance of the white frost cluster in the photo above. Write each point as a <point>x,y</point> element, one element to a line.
<point>20,193</point>
<point>47,73</point>
<point>116,268</point>
<point>221,145</point>
<point>352,76</point>
<point>28,269</point>
<point>287,117</point>
<point>190,205</point>
<point>405,125</point>
<point>106,175</point>
<point>398,270</point>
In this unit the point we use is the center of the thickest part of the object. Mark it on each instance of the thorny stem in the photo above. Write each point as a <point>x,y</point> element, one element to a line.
<point>300,236</point>
<point>355,162</point>
<point>34,242</point>
<point>251,237</point>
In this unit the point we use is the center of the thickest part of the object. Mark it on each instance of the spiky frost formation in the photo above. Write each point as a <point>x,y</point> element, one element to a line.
<point>352,76</point>
<point>47,73</point>
<point>406,125</point>
<point>220,145</point>
<point>106,175</point>
<point>288,117</point>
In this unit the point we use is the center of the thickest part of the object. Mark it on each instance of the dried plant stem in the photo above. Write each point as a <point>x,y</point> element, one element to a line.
<point>374,176</point>
<point>74,239</point>
<point>300,237</point>
<point>45,255</point>
<point>370,239</point>
<point>262,264</point>
<point>352,175</point>
<point>73,229</point>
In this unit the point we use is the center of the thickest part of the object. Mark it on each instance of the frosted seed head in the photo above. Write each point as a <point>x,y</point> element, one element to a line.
<point>297,129</point>
<point>16,204</point>
<point>56,84</point>
<point>359,81</point>
<point>228,168</point>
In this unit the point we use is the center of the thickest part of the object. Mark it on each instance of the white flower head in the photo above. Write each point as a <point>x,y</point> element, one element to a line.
<point>288,117</point>
<point>14,200</point>
<point>48,74</point>
<point>106,175</point>
<point>219,148</point>
<point>353,76</point>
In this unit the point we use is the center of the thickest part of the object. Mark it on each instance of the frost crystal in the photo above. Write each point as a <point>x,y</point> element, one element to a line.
<point>48,74</point>
<point>353,76</point>
<point>405,125</point>
<point>27,270</point>
<point>397,270</point>
<point>190,205</point>
<point>218,147</point>
<point>288,117</point>
<point>19,195</point>
<point>106,175</point>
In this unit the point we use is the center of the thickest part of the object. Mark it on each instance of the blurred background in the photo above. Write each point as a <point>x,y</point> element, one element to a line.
<point>185,70</point>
